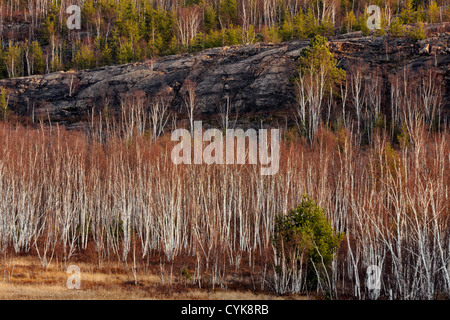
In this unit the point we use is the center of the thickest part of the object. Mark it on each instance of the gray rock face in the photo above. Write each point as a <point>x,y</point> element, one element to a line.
<point>255,79</point>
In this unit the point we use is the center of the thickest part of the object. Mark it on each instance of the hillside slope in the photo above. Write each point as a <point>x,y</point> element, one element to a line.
<point>255,79</point>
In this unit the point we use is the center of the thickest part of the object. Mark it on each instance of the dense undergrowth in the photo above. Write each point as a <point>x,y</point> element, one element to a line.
<point>117,193</point>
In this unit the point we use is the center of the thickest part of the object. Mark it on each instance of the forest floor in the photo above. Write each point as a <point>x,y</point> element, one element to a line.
<point>24,278</point>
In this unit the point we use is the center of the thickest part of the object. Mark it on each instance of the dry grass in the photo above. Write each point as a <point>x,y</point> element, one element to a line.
<point>23,278</point>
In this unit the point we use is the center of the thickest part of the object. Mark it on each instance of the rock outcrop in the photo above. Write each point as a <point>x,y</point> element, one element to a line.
<point>256,79</point>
